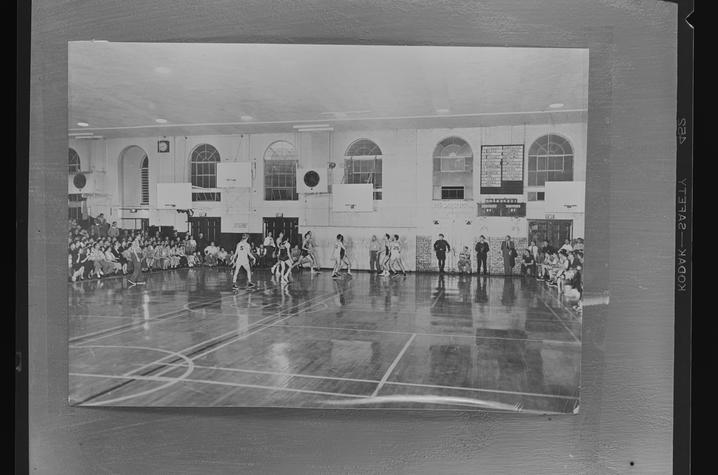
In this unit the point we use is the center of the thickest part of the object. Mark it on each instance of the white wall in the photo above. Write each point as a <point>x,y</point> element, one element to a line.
<point>407,207</point>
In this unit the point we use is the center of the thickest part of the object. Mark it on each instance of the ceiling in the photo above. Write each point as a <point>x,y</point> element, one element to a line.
<point>121,89</point>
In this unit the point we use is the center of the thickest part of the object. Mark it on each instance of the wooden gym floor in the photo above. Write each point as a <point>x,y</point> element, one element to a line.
<point>421,342</point>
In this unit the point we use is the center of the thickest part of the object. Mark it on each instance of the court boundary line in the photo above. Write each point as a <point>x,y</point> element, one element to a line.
<point>376,381</point>
<point>276,373</point>
<point>158,378</point>
<point>398,332</point>
<point>173,381</point>
<point>393,365</point>
<point>181,352</point>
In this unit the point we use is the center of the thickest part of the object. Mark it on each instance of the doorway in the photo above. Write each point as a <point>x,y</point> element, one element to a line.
<point>209,227</point>
<point>288,226</point>
<point>552,230</point>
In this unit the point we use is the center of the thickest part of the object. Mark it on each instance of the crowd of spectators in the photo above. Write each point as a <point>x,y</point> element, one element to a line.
<point>560,267</point>
<point>98,249</point>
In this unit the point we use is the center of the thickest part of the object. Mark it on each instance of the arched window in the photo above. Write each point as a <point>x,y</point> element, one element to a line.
<point>363,164</point>
<point>280,172</point>
<point>73,161</point>
<point>145,181</point>
<point>550,159</point>
<point>203,172</point>
<point>453,170</point>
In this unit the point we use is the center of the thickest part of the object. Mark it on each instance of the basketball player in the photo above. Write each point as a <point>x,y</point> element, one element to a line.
<point>284,260</point>
<point>340,257</point>
<point>308,252</point>
<point>241,258</point>
<point>275,255</point>
<point>395,255</point>
<point>386,257</point>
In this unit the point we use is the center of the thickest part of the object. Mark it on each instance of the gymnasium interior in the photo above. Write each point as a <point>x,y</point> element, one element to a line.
<point>170,140</point>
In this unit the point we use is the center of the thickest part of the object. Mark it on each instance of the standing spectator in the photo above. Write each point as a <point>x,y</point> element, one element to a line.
<point>441,247</point>
<point>94,228</point>
<point>508,251</point>
<point>102,225</point>
<point>534,250</point>
<point>375,248</point>
<point>114,231</point>
<point>482,251</point>
<point>191,246</point>
<point>201,243</point>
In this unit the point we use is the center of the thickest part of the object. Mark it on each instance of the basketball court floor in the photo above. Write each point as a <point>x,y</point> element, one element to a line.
<point>423,341</point>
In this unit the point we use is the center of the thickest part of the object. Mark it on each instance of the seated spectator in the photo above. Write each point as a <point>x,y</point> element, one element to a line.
<point>96,256</point>
<point>148,254</point>
<point>222,257</point>
<point>566,246</point>
<point>550,260</point>
<point>558,271</point>
<point>117,253</point>
<point>112,265</point>
<point>210,253</point>
<point>528,263</point>
<point>464,263</point>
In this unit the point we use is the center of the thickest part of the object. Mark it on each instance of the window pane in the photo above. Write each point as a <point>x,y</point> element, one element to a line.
<point>541,163</point>
<point>540,178</point>
<point>555,163</point>
<point>532,163</point>
<point>532,178</point>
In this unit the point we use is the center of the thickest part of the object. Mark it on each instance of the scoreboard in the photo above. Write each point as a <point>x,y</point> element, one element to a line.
<point>501,207</point>
<point>502,169</point>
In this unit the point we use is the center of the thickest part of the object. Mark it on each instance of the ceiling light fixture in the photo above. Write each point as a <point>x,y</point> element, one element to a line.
<point>310,126</point>
<point>161,121</point>
<point>247,118</point>
<point>83,124</point>
<point>317,129</point>
<point>443,111</point>
<point>77,134</point>
<point>557,105</point>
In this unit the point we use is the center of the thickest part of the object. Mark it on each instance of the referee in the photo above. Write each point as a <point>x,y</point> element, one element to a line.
<point>441,247</point>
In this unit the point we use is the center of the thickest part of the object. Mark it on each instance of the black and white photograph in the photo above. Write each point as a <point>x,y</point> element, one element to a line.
<point>357,236</point>
<point>326,226</point>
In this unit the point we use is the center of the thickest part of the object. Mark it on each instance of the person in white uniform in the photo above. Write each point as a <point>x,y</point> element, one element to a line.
<point>241,257</point>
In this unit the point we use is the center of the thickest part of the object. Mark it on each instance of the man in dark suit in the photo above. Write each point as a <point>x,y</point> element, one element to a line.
<point>482,251</point>
<point>508,251</point>
<point>441,247</point>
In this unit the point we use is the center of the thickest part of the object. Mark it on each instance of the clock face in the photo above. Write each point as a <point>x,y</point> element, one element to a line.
<point>163,146</point>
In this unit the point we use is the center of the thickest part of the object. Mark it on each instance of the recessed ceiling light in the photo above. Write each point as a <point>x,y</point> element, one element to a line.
<point>163,70</point>
<point>83,124</point>
<point>557,105</point>
<point>247,118</point>
<point>161,121</point>
<point>442,111</point>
